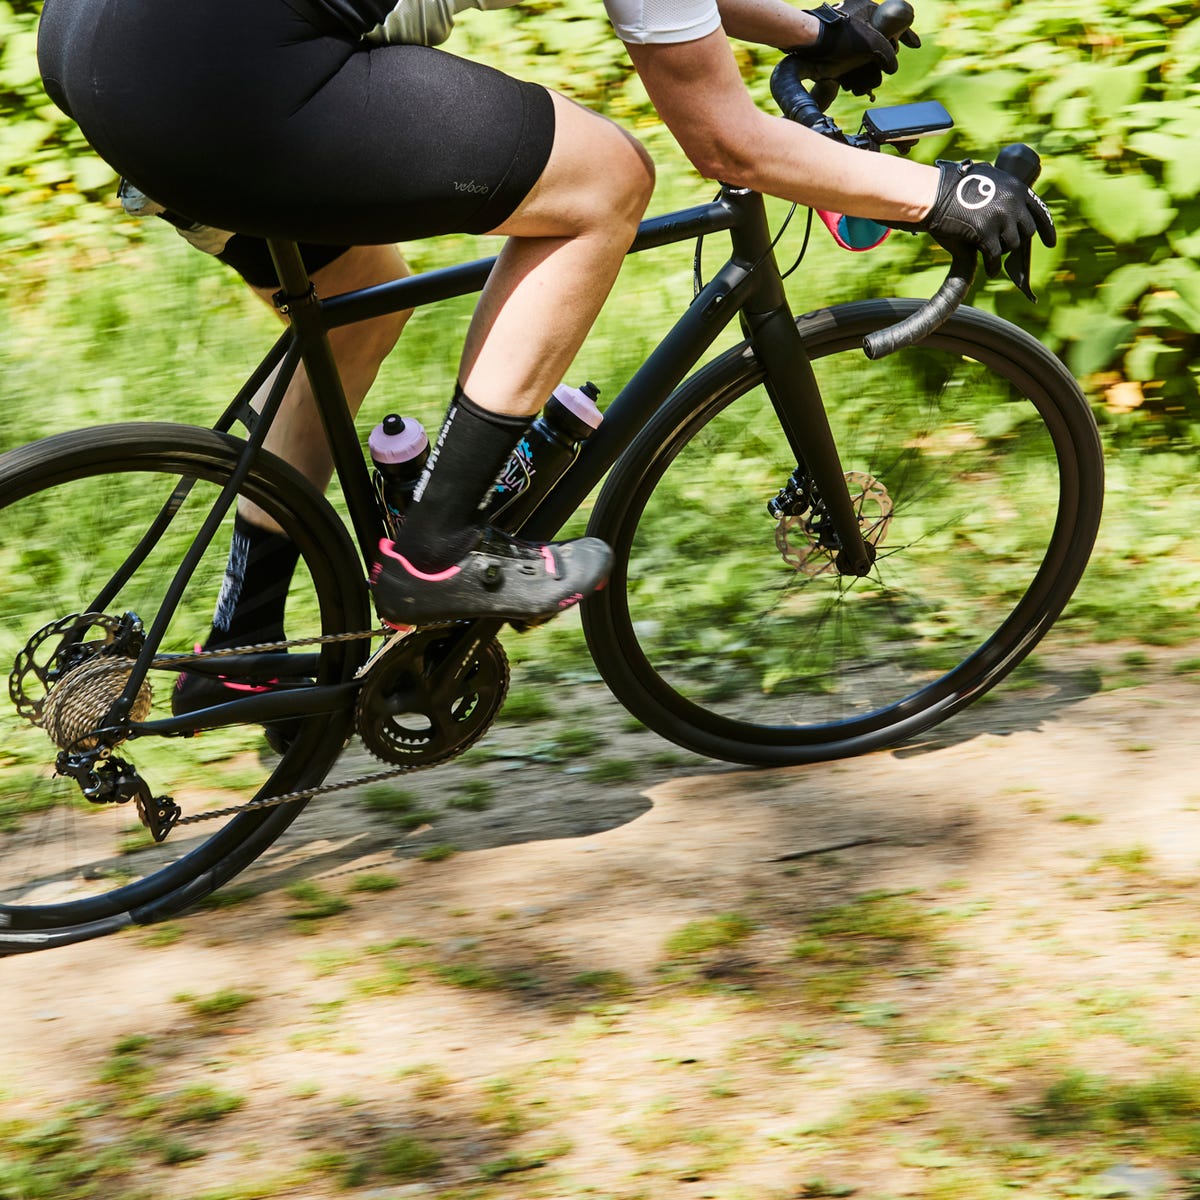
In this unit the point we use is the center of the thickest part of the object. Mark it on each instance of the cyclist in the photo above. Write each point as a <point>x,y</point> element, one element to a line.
<point>337,123</point>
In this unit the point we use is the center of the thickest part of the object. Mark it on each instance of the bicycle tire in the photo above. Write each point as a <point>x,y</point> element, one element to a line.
<point>70,870</point>
<point>990,458</point>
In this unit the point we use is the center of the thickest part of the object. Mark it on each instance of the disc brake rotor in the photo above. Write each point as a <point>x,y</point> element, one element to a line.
<point>798,538</point>
<point>70,672</point>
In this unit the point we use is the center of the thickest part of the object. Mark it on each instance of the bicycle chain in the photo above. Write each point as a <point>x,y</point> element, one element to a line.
<point>306,793</point>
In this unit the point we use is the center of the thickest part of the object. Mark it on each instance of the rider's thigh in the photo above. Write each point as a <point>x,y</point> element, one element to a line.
<point>597,177</point>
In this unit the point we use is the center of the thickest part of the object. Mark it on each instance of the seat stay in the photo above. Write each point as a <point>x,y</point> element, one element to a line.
<point>121,707</point>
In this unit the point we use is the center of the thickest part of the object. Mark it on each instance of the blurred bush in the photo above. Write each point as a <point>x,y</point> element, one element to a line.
<point>1109,93</point>
<point>49,177</point>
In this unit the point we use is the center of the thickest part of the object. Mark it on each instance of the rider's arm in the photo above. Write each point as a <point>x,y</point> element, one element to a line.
<point>698,91</point>
<point>768,23</point>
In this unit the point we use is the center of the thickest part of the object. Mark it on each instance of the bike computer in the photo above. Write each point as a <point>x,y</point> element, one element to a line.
<point>906,122</point>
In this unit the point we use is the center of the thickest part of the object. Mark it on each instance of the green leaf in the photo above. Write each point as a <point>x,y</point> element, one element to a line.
<point>1124,208</point>
<point>1099,345</point>
<point>1125,285</point>
<point>1149,358</point>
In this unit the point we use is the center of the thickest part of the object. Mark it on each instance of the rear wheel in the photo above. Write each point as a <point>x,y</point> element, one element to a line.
<point>71,508</point>
<point>977,470</point>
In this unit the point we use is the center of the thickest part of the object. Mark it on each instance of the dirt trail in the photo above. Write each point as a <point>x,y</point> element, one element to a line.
<point>1051,837</point>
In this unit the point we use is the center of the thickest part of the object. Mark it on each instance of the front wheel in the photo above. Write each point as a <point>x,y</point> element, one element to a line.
<point>977,471</point>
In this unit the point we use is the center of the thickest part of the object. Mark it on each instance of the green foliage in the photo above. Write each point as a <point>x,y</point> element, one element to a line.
<point>699,937</point>
<point>1167,1104</point>
<point>49,178</point>
<point>1108,93</point>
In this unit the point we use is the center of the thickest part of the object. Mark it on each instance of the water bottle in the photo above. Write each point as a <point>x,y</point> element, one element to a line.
<point>546,450</point>
<point>399,449</point>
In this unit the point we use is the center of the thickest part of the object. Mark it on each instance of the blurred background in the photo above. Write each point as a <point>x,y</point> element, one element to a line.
<point>101,314</point>
<point>949,972</point>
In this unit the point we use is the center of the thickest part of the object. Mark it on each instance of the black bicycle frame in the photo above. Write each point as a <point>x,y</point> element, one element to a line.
<point>747,285</point>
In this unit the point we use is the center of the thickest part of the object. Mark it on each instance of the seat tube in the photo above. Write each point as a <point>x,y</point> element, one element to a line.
<point>297,300</point>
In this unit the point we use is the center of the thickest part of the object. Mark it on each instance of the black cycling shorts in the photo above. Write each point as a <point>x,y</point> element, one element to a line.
<point>264,117</point>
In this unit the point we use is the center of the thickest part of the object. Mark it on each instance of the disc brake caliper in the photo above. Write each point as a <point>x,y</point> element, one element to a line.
<point>805,535</point>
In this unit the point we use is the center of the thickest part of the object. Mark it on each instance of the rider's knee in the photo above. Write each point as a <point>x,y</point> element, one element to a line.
<point>628,182</point>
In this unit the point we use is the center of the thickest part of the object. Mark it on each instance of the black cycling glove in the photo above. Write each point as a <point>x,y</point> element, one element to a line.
<point>981,208</point>
<point>849,48</point>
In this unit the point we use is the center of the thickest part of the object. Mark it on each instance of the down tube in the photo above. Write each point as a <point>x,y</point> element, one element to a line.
<point>642,396</point>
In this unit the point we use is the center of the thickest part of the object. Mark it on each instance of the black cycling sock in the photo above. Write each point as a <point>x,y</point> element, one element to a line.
<point>252,600</point>
<point>443,520</point>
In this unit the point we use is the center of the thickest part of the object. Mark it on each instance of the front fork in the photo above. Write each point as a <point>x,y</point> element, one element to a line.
<point>796,398</point>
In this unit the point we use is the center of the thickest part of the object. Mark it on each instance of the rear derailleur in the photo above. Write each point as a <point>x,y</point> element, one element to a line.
<point>105,779</point>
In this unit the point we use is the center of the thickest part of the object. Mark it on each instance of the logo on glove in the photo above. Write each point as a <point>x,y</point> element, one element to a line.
<point>980,196</point>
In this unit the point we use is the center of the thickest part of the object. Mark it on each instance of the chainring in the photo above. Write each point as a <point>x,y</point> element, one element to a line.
<point>409,715</point>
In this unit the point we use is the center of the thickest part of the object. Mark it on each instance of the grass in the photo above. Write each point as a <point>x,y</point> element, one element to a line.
<point>313,902</point>
<point>217,1007</point>
<point>200,1103</point>
<point>849,946</point>
<point>1165,1107</point>
<point>1133,860</point>
<point>527,704</point>
<point>613,770</point>
<point>397,806</point>
<point>699,937</point>
<point>374,881</point>
<point>22,794</point>
<point>473,795</point>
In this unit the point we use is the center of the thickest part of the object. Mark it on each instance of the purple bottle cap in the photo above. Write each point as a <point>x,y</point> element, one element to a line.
<point>397,439</point>
<point>579,403</point>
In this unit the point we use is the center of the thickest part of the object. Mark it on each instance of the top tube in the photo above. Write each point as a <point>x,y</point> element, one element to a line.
<point>431,287</point>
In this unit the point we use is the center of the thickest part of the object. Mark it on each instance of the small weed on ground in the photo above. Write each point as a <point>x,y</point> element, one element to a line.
<point>1166,1107</point>
<point>374,881</point>
<point>848,946</point>
<point>474,795</point>
<point>314,902</point>
<point>698,937</point>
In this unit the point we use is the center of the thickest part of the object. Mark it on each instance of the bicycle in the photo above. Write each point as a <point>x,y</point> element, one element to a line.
<point>856,589</point>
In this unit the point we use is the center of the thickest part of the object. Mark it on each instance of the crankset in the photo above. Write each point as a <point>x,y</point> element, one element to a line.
<point>427,698</point>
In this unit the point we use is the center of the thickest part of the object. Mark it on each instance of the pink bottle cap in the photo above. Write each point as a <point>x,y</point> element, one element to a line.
<point>579,403</point>
<point>397,440</point>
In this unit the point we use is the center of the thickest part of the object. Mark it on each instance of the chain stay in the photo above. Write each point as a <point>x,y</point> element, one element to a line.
<point>305,793</point>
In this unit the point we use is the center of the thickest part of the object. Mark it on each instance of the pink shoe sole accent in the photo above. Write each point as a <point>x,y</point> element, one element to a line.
<point>389,548</point>
<point>548,559</point>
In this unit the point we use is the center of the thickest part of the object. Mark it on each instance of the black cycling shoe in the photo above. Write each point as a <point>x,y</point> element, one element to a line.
<point>500,576</point>
<point>193,692</point>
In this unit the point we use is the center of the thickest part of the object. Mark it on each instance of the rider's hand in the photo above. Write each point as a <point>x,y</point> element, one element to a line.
<point>981,208</point>
<point>849,48</point>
